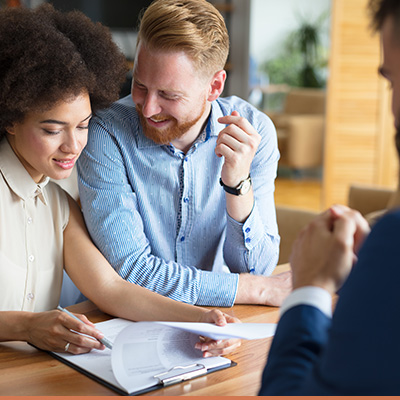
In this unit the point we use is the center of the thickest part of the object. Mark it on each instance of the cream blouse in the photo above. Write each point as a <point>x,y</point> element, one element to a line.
<point>32,220</point>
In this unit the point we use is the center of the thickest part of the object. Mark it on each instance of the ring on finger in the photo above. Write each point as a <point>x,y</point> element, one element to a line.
<point>67,347</point>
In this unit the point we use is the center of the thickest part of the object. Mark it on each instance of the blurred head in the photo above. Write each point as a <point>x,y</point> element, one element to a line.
<point>47,56</point>
<point>386,18</point>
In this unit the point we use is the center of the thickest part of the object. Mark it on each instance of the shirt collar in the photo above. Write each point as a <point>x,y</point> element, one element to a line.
<point>17,177</point>
<point>212,128</point>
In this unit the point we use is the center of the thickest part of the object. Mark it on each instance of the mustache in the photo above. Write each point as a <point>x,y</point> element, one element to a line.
<point>156,117</point>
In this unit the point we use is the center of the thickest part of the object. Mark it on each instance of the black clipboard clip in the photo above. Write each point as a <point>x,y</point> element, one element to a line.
<point>184,374</point>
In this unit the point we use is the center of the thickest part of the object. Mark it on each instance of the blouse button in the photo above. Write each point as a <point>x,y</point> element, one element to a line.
<point>30,296</point>
<point>31,258</point>
<point>29,220</point>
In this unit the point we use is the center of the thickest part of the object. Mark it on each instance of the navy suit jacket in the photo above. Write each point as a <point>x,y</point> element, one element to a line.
<point>358,351</point>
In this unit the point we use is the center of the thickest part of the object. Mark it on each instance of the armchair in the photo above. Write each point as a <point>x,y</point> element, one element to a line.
<point>371,201</point>
<point>300,128</point>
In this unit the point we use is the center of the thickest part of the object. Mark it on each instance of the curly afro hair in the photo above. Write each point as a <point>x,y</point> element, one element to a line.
<point>47,56</point>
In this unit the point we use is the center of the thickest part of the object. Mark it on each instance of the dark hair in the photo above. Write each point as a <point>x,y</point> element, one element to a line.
<point>47,56</point>
<point>381,9</point>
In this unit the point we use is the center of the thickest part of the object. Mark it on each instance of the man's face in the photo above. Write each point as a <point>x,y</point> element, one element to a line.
<point>390,68</point>
<point>170,96</point>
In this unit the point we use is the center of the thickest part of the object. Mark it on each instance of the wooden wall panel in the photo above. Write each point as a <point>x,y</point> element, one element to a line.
<point>359,134</point>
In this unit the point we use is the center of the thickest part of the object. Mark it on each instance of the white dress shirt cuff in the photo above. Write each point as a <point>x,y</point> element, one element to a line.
<point>311,296</point>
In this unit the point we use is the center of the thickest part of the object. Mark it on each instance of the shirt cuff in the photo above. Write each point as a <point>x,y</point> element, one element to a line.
<point>217,289</point>
<point>248,233</point>
<point>309,295</point>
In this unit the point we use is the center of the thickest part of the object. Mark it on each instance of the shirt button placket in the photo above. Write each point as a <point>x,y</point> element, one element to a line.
<point>247,238</point>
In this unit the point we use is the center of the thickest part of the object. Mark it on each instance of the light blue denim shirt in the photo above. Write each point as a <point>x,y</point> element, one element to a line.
<point>159,215</point>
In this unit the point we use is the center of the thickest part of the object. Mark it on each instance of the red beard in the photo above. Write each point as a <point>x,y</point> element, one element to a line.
<point>173,131</point>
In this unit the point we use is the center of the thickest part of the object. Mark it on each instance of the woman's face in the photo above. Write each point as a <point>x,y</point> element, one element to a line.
<point>48,143</point>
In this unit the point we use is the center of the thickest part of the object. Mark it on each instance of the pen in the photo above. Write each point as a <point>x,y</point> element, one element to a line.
<point>105,341</point>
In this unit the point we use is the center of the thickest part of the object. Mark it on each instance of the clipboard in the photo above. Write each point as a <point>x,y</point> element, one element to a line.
<point>171,377</point>
<point>108,367</point>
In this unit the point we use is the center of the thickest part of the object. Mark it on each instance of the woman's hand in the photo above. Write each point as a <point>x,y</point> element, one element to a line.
<point>212,348</point>
<point>57,331</point>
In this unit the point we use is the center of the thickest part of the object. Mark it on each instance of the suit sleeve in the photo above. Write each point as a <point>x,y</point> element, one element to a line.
<point>358,352</point>
<point>301,335</point>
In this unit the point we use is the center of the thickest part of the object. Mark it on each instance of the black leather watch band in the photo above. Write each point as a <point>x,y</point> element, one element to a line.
<point>239,190</point>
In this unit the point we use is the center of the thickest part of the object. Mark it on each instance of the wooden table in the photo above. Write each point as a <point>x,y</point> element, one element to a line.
<point>25,370</point>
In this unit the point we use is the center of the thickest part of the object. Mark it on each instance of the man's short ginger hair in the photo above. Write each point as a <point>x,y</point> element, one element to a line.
<point>47,56</point>
<point>193,26</point>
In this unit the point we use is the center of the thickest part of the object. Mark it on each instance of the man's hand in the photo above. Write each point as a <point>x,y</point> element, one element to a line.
<point>265,290</point>
<point>324,252</point>
<point>238,143</point>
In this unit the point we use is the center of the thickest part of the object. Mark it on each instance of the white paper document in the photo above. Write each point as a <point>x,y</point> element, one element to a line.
<point>241,331</point>
<point>146,355</point>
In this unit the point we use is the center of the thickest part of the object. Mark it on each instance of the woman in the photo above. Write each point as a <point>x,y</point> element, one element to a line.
<point>55,71</point>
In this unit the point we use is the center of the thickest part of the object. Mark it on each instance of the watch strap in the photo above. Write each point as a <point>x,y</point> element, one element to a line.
<point>235,190</point>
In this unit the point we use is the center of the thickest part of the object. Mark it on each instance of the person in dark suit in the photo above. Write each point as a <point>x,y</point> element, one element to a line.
<point>357,351</point>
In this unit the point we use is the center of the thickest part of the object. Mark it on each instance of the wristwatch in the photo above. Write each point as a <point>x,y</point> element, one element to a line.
<point>240,190</point>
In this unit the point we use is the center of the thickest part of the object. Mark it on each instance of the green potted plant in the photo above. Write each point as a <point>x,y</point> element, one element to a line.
<point>303,60</point>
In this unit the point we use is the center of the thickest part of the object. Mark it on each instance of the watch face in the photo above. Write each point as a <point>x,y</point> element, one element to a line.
<point>245,187</point>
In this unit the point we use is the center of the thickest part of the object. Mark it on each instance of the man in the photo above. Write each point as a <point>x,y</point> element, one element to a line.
<point>153,174</point>
<point>357,352</point>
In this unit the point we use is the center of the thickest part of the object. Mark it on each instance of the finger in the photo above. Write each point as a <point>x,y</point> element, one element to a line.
<point>237,120</point>
<point>338,210</point>
<point>222,150</point>
<point>210,344</point>
<point>320,225</point>
<point>73,349</point>
<point>226,117</point>
<point>231,319</point>
<point>85,320</point>
<point>83,341</point>
<point>218,317</point>
<point>361,226</point>
<point>344,230</point>
<point>233,137</point>
<point>229,347</point>
<point>219,344</point>
<point>204,344</point>
<point>80,325</point>
<point>362,231</point>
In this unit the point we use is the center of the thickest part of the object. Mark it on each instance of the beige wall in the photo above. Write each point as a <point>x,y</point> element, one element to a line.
<point>359,130</point>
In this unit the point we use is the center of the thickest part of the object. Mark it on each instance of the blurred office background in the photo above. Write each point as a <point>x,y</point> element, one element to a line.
<point>311,65</point>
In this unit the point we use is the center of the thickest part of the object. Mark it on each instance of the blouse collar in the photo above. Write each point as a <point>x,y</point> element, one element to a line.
<point>17,177</point>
